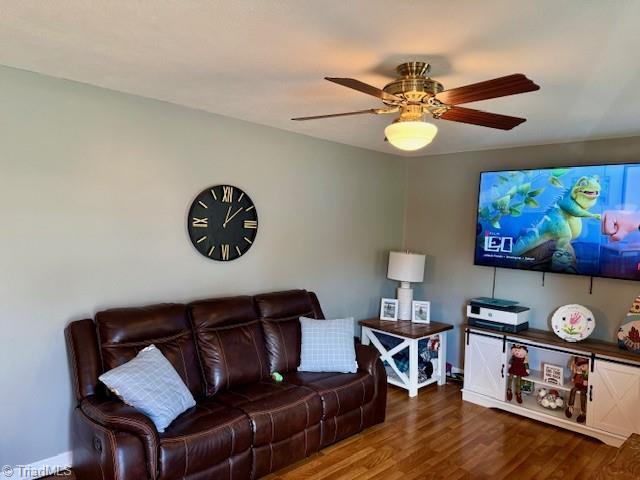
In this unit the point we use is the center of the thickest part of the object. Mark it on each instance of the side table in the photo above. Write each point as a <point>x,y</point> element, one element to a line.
<point>410,334</point>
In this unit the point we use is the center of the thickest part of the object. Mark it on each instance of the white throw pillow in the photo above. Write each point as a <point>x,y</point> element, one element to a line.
<point>327,346</point>
<point>150,384</point>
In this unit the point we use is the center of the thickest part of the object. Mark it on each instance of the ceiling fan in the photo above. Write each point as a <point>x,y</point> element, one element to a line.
<point>415,95</point>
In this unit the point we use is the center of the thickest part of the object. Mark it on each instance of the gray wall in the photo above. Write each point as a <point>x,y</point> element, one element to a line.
<point>95,188</point>
<point>440,221</point>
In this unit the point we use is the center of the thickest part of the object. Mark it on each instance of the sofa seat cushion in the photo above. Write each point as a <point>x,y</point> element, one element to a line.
<point>340,392</point>
<point>277,411</point>
<point>206,435</point>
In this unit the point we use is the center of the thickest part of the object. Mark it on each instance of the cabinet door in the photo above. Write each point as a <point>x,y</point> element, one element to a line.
<point>614,397</point>
<point>484,366</point>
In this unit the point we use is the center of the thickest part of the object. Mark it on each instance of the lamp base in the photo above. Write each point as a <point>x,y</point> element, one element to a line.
<point>405,297</point>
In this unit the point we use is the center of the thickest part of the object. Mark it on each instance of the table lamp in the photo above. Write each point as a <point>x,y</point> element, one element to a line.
<point>405,267</point>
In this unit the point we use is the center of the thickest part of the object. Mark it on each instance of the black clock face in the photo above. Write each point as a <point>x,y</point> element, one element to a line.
<point>223,223</point>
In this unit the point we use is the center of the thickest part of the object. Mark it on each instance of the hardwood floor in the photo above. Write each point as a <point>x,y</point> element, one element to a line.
<point>438,436</point>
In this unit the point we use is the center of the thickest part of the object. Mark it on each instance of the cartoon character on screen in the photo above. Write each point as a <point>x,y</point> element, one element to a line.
<point>580,370</point>
<point>518,368</point>
<point>562,223</point>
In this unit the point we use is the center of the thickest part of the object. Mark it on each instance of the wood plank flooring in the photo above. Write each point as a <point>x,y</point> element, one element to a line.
<point>438,436</point>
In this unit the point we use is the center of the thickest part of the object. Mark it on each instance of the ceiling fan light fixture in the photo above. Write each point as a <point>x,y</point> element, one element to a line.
<point>410,135</point>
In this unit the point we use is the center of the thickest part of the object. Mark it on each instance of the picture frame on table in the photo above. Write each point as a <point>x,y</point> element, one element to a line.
<point>389,309</point>
<point>420,311</point>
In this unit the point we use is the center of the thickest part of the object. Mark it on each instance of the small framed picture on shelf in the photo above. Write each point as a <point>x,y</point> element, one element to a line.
<point>420,312</point>
<point>552,374</point>
<point>389,309</point>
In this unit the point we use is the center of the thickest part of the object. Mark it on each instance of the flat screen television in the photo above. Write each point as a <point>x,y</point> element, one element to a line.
<point>579,220</point>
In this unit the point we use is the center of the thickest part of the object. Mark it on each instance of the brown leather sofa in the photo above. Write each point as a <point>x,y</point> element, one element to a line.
<point>245,425</point>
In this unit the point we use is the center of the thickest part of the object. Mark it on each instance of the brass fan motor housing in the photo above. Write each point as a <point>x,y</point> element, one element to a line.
<point>413,84</point>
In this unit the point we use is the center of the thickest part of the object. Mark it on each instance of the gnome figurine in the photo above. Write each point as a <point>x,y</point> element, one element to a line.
<point>629,331</point>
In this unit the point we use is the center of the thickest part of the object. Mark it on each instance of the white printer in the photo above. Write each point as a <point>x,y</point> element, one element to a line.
<point>497,314</point>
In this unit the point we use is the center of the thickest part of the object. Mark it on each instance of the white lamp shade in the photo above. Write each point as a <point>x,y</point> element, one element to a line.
<point>406,267</point>
<point>410,136</point>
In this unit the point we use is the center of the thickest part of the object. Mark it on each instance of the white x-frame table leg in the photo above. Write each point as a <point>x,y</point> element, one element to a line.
<point>401,379</point>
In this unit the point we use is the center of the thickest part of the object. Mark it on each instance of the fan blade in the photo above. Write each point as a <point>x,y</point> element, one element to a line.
<point>484,119</point>
<point>359,112</point>
<point>365,88</point>
<point>498,87</point>
<point>375,111</point>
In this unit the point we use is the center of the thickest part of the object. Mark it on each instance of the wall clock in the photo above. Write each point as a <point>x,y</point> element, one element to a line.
<point>222,222</point>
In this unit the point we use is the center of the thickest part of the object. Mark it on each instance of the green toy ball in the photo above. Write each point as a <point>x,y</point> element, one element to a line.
<point>277,377</point>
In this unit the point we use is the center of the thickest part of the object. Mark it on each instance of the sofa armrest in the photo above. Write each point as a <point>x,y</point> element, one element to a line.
<point>367,357</point>
<point>118,416</point>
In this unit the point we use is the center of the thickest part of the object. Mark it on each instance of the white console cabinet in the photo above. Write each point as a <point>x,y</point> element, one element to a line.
<point>484,367</point>
<point>613,396</point>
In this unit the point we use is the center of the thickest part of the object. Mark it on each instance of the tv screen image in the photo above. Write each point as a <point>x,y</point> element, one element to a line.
<point>578,220</point>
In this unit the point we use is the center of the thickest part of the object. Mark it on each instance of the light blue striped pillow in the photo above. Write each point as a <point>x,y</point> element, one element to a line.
<point>327,346</point>
<point>150,384</point>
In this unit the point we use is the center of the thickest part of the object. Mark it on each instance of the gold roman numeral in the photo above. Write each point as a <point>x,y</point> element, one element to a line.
<point>238,250</point>
<point>200,222</point>
<point>225,251</point>
<point>251,224</point>
<point>227,194</point>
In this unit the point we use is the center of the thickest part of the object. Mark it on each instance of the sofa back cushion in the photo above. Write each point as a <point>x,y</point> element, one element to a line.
<point>280,313</point>
<point>230,342</point>
<point>123,332</point>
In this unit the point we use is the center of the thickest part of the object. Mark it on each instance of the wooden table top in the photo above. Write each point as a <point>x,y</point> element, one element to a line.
<point>598,347</point>
<point>406,328</point>
<point>626,463</point>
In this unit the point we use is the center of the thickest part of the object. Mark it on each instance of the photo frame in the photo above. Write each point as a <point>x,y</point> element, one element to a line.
<point>420,311</point>
<point>552,374</point>
<point>389,309</point>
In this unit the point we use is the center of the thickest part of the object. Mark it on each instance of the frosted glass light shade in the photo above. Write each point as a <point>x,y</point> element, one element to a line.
<point>410,136</point>
<point>406,267</point>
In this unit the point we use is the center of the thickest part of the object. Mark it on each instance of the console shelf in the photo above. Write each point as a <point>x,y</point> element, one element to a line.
<point>536,377</point>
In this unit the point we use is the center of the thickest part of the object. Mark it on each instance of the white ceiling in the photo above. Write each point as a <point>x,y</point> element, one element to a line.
<point>264,60</point>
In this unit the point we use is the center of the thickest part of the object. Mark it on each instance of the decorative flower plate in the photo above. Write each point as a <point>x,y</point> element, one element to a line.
<point>573,322</point>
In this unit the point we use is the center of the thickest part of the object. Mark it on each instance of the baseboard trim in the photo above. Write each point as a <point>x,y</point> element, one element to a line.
<point>48,466</point>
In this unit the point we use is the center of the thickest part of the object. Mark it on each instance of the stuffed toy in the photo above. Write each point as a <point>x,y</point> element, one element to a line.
<point>518,368</point>
<point>580,370</point>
